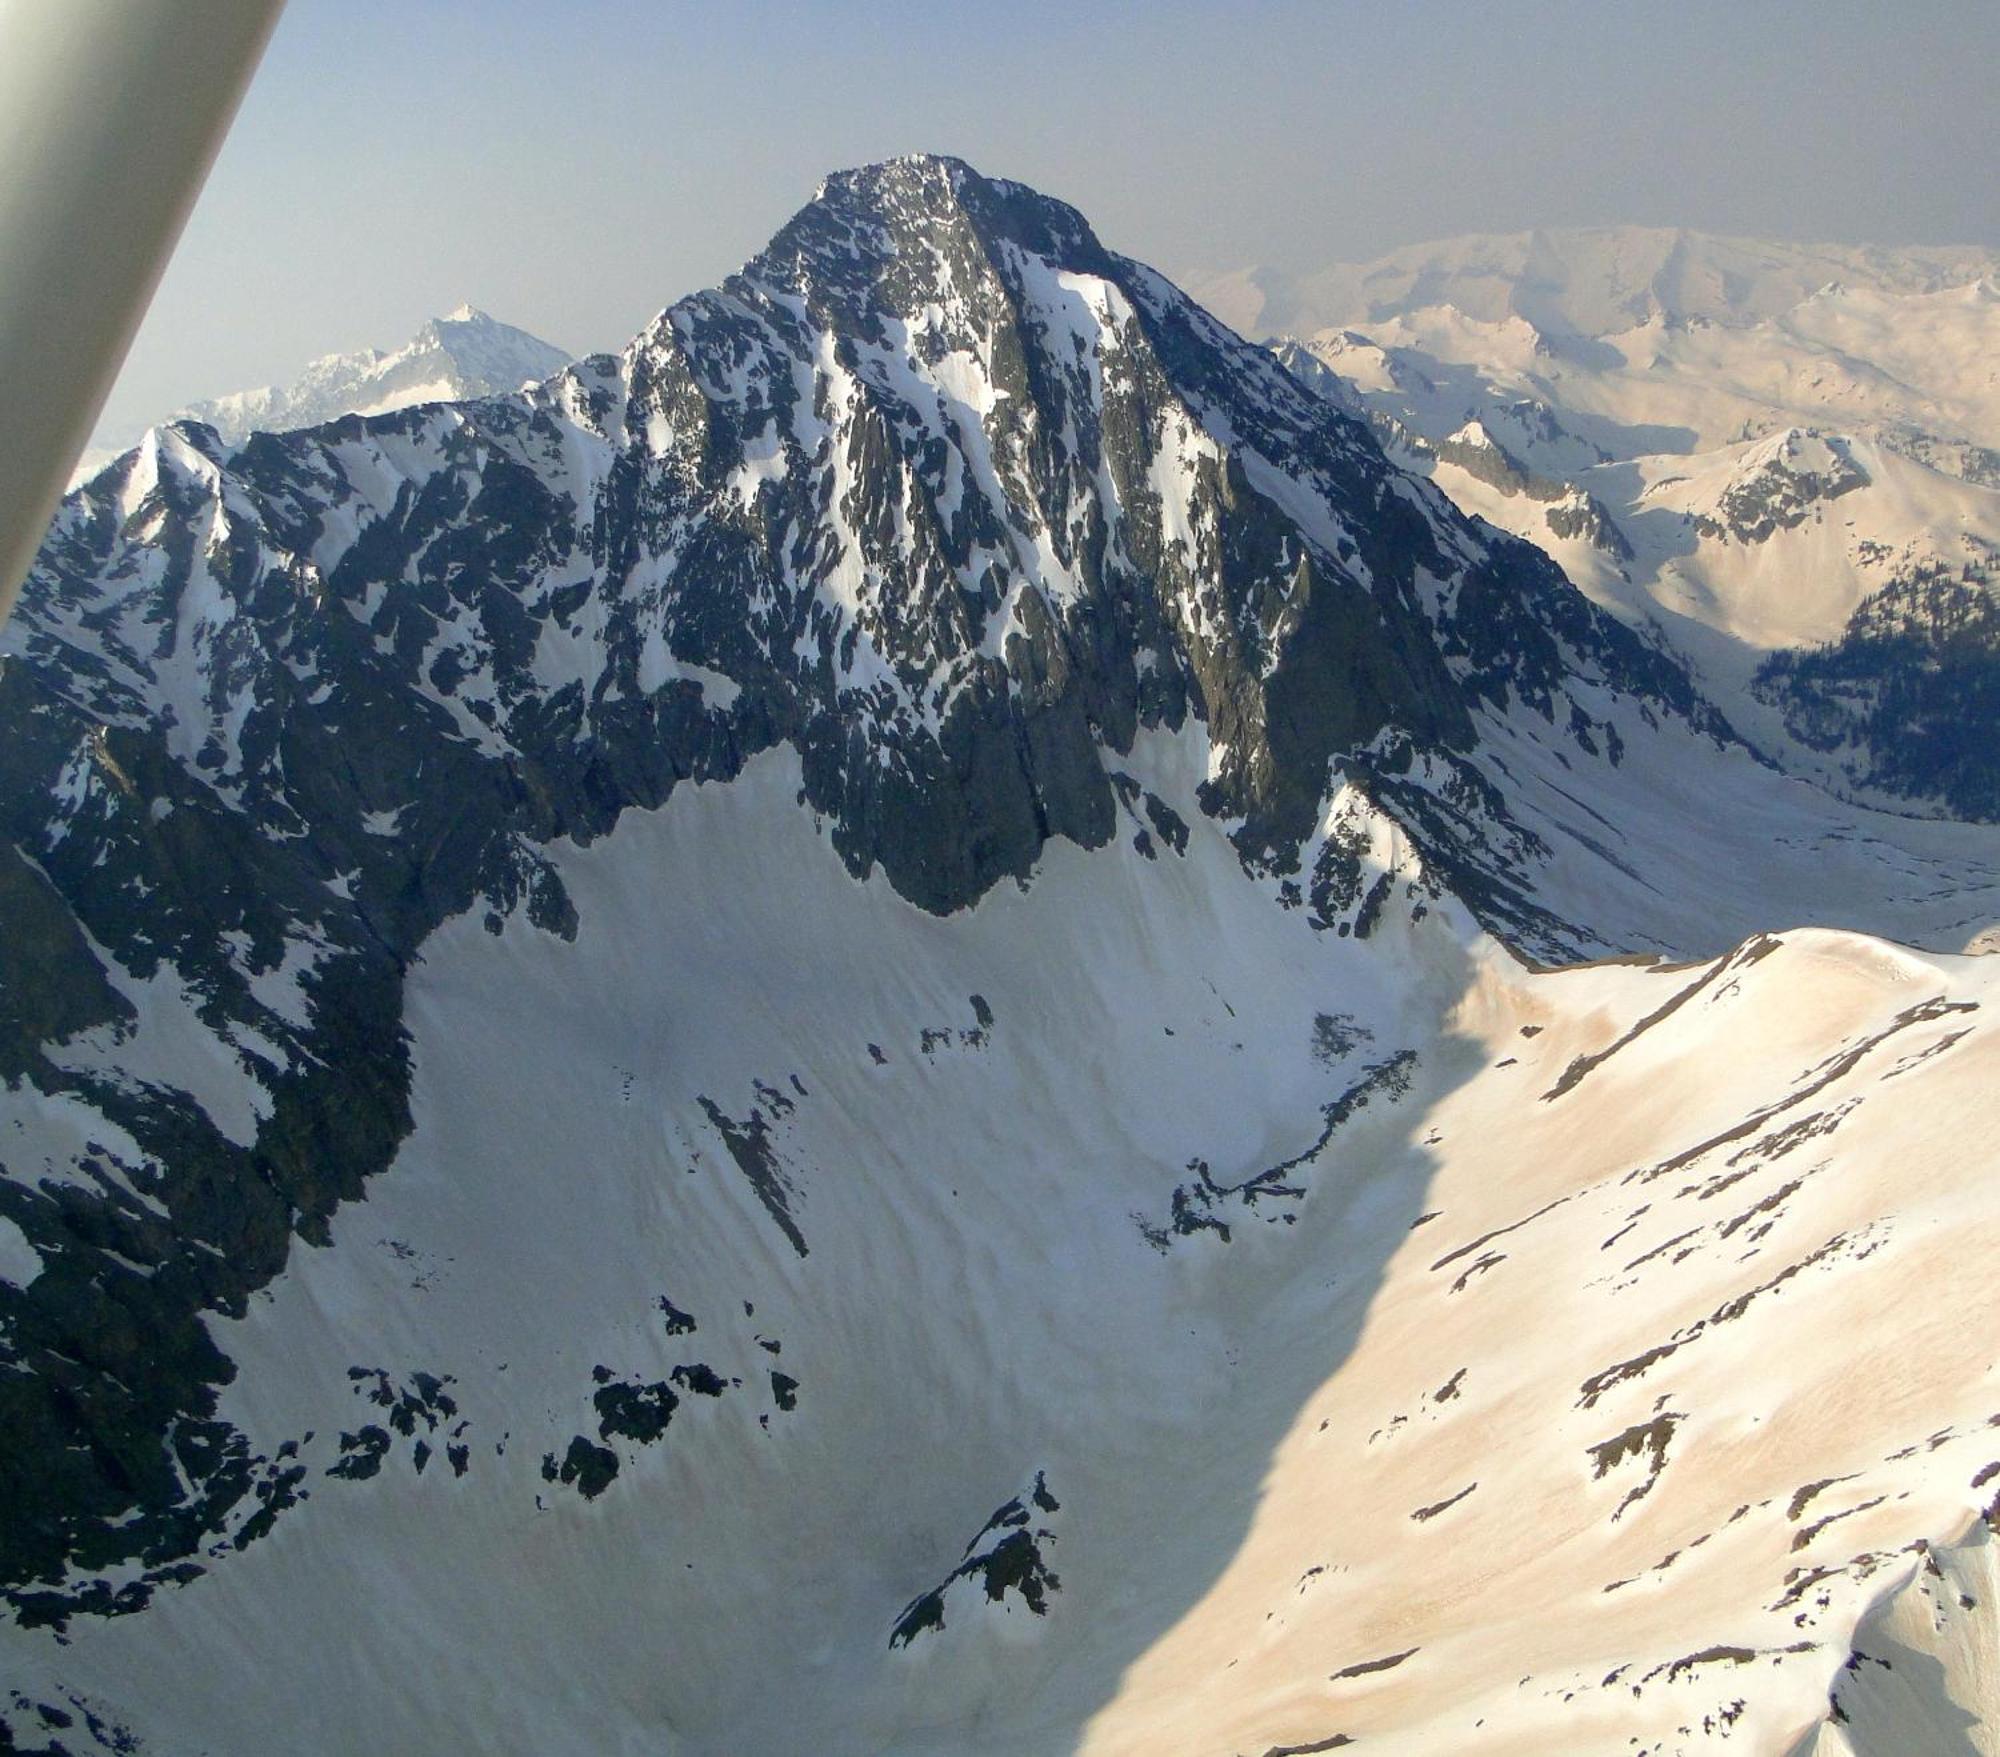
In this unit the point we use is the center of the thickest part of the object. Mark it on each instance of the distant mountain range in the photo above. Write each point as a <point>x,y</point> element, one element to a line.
<point>465,354</point>
<point>1583,281</point>
<point>1782,460</point>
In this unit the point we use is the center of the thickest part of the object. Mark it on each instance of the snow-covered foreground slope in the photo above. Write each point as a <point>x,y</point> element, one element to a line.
<point>1657,1401</point>
<point>1113,1318</point>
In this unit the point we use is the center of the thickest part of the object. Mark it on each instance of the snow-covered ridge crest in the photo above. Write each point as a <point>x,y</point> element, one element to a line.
<point>1591,280</point>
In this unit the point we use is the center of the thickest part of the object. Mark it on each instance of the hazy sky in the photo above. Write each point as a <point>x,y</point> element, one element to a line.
<point>573,165</point>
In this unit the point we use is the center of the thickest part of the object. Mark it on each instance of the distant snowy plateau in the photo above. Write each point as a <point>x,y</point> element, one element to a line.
<point>952,1016</point>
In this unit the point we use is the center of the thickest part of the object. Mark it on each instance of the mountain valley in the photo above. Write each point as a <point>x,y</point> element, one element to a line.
<point>951,1015</point>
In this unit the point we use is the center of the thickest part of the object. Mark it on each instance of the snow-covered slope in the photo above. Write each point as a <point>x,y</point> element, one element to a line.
<point>829,1038</point>
<point>1371,1338</point>
<point>1731,1222</point>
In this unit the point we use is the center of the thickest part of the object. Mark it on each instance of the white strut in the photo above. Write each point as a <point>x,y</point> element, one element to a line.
<point>111,112</point>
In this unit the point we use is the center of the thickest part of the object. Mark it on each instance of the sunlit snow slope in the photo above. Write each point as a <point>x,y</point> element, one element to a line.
<point>1403,1346</point>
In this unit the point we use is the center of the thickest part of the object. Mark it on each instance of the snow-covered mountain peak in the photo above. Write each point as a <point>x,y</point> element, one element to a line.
<point>911,233</point>
<point>942,173</point>
<point>485,355</point>
<point>862,934</point>
<point>465,354</point>
<point>1797,449</point>
<point>1773,483</point>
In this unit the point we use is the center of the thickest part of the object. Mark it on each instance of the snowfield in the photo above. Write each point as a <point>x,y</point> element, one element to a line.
<point>1564,1391</point>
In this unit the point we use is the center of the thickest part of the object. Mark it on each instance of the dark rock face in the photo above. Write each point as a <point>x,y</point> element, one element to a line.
<point>1909,693</point>
<point>938,491</point>
<point>1582,514</point>
<point>1009,1558</point>
<point>1488,461</point>
<point>1204,1206</point>
<point>1805,472</point>
<point>635,1413</point>
<point>589,1469</point>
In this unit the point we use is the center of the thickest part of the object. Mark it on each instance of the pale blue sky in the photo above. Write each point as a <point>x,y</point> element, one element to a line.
<point>573,165</point>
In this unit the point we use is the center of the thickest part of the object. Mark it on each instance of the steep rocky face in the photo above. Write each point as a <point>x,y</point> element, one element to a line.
<point>1579,513</point>
<point>1780,487</point>
<point>938,491</point>
<point>1474,450</point>
<point>936,476</point>
<point>1004,488</point>
<point>1908,695</point>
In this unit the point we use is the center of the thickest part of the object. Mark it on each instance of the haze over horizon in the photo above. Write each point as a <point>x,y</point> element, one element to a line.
<point>573,173</point>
